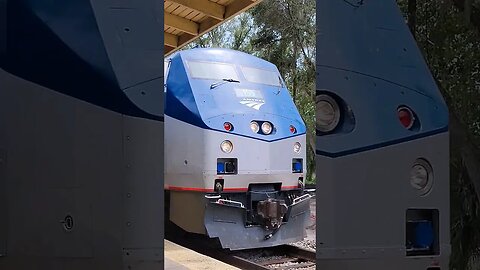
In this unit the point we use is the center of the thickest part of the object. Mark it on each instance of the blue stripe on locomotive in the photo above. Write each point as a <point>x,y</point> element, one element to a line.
<point>192,101</point>
<point>375,76</point>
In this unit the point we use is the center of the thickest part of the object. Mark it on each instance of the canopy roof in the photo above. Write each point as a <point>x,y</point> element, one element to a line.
<point>186,20</point>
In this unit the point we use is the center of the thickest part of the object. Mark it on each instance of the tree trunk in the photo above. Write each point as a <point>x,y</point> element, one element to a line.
<point>468,11</point>
<point>412,16</point>
<point>462,145</point>
<point>467,150</point>
<point>473,13</point>
<point>294,83</point>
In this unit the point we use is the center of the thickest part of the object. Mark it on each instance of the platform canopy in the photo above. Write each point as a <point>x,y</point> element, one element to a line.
<point>186,20</point>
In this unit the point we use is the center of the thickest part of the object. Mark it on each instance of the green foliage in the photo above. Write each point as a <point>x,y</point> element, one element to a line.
<point>281,32</point>
<point>465,222</point>
<point>234,34</point>
<point>286,37</point>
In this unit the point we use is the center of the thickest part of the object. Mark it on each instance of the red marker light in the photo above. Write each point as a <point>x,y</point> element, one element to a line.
<point>405,115</point>
<point>292,129</point>
<point>227,126</point>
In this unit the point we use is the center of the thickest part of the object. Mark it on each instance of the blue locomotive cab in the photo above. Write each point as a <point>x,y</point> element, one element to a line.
<point>208,87</point>
<point>235,147</point>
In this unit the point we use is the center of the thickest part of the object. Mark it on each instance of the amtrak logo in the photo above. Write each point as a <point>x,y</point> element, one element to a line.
<point>250,97</point>
<point>253,103</point>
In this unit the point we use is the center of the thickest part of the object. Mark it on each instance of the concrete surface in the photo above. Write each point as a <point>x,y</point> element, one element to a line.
<point>180,258</point>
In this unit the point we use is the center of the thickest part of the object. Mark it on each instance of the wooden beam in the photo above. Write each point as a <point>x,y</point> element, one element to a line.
<point>181,24</point>
<point>208,25</point>
<point>205,27</point>
<point>236,7</point>
<point>170,40</point>
<point>239,6</point>
<point>168,50</point>
<point>211,9</point>
<point>185,39</point>
<point>232,10</point>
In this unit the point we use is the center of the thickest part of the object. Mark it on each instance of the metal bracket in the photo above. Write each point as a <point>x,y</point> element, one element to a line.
<point>212,197</point>
<point>301,198</point>
<point>230,203</point>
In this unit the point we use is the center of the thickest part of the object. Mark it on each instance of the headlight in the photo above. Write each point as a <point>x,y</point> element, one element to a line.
<point>226,146</point>
<point>296,147</point>
<point>421,176</point>
<point>266,128</point>
<point>327,113</point>
<point>254,127</point>
<point>418,176</point>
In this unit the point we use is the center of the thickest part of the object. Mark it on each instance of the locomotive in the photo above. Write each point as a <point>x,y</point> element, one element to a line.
<point>382,147</point>
<point>235,150</point>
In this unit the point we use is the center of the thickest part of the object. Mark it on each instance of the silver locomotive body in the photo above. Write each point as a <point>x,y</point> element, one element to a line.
<point>235,162</point>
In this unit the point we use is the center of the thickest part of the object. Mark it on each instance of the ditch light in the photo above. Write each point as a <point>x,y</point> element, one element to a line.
<point>226,166</point>
<point>297,165</point>
<point>422,232</point>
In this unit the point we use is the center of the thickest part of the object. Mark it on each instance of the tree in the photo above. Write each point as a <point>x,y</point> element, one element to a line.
<point>235,34</point>
<point>286,37</point>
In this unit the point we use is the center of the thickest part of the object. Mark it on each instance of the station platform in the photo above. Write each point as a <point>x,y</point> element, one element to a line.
<point>181,258</point>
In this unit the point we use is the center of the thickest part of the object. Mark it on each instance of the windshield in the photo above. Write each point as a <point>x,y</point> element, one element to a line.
<point>212,71</point>
<point>262,76</point>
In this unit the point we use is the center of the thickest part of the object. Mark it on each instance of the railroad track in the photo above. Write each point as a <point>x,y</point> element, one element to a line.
<point>284,257</point>
<point>280,257</point>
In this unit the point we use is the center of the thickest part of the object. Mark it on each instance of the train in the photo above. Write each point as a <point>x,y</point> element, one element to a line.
<point>235,148</point>
<point>382,146</point>
<point>87,117</point>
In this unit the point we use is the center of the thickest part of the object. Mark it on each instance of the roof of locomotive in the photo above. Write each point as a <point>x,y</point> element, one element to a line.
<point>224,56</point>
<point>194,101</point>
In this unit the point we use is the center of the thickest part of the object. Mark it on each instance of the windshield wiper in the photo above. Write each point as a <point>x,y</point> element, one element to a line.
<point>281,85</point>
<point>222,82</point>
